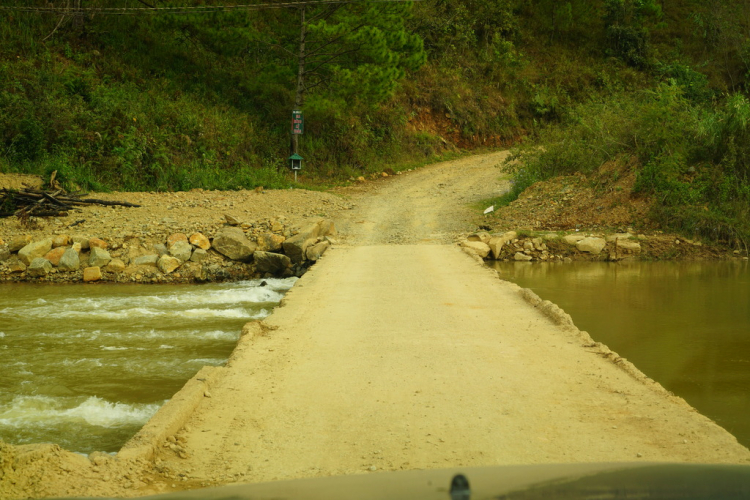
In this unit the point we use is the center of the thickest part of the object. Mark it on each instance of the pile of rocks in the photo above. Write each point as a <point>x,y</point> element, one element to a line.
<point>526,247</point>
<point>236,251</point>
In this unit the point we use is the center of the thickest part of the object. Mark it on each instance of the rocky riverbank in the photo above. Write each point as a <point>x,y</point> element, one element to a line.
<point>182,237</point>
<point>528,246</point>
<point>235,251</point>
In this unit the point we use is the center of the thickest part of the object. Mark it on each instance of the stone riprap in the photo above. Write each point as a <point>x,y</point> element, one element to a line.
<point>527,246</point>
<point>243,251</point>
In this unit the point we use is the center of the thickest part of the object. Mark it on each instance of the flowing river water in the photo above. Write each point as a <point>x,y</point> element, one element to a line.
<point>86,366</point>
<point>684,324</point>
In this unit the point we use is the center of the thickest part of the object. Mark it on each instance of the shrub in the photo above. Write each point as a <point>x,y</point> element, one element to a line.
<point>693,159</point>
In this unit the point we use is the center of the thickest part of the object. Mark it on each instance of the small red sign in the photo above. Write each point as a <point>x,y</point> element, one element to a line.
<point>298,122</point>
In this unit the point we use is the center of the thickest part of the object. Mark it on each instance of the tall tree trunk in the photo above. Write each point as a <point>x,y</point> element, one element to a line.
<point>77,17</point>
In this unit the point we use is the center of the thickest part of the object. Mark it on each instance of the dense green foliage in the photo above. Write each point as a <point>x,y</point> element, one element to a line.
<point>180,101</point>
<point>685,128</point>
<point>694,158</point>
<point>161,102</point>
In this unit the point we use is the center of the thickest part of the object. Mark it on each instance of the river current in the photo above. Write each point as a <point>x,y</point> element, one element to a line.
<point>85,366</point>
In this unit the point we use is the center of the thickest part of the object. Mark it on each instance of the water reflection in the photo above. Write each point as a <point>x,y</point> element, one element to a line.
<point>685,324</point>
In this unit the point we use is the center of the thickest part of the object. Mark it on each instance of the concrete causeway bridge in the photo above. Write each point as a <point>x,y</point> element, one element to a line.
<point>397,351</point>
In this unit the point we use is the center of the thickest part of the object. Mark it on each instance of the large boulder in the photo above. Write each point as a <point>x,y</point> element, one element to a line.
<point>629,246</point>
<point>270,242</point>
<point>39,267</point>
<point>81,240</point>
<point>618,236</point>
<point>482,236</point>
<point>295,247</point>
<point>591,245</point>
<point>146,260</point>
<point>115,266</point>
<point>54,255</point>
<point>268,262</point>
<point>522,257</point>
<point>232,243</point>
<point>314,252</point>
<point>199,255</point>
<point>99,257</point>
<point>496,243</point>
<point>479,248</point>
<point>174,238</point>
<point>34,249</point>
<point>168,264</point>
<point>573,239</point>
<point>92,274</point>
<point>181,249</point>
<point>16,266</point>
<point>18,242</point>
<point>98,243</point>
<point>200,241</point>
<point>60,240</point>
<point>70,261</point>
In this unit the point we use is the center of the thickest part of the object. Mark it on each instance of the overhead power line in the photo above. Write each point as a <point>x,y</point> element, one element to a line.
<point>122,11</point>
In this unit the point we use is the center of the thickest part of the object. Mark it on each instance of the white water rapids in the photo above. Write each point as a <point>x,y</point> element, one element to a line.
<point>86,366</point>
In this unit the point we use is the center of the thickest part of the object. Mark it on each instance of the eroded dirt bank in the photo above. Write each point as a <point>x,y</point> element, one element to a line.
<point>398,351</point>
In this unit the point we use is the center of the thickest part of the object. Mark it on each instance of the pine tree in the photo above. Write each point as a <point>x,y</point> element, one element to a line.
<point>358,51</point>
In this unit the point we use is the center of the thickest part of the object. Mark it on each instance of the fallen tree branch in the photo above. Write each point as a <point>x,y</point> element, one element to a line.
<point>40,203</point>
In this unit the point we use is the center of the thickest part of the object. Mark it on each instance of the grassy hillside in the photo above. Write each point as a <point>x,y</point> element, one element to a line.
<point>168,102</point>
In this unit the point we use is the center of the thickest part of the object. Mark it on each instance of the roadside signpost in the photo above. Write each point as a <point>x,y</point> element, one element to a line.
<point>298,127</point>
<point>298,122</point>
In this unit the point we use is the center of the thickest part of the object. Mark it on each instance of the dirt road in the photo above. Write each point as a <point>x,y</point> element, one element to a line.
<point>430,205</point>
<point>390,357</point>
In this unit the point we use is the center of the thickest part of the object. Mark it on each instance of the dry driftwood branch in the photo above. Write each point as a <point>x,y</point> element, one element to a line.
<point>40,203</point>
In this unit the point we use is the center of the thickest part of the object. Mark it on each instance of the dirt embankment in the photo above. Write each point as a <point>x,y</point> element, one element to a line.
<point>397,352</point>
<point>599,205</point>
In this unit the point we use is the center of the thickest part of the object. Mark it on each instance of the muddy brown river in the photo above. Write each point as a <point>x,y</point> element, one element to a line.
<point>684,324</point>
<point>86,366</point>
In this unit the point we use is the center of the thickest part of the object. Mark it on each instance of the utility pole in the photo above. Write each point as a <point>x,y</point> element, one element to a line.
<point>299,96</point>
<point>295,160</point>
